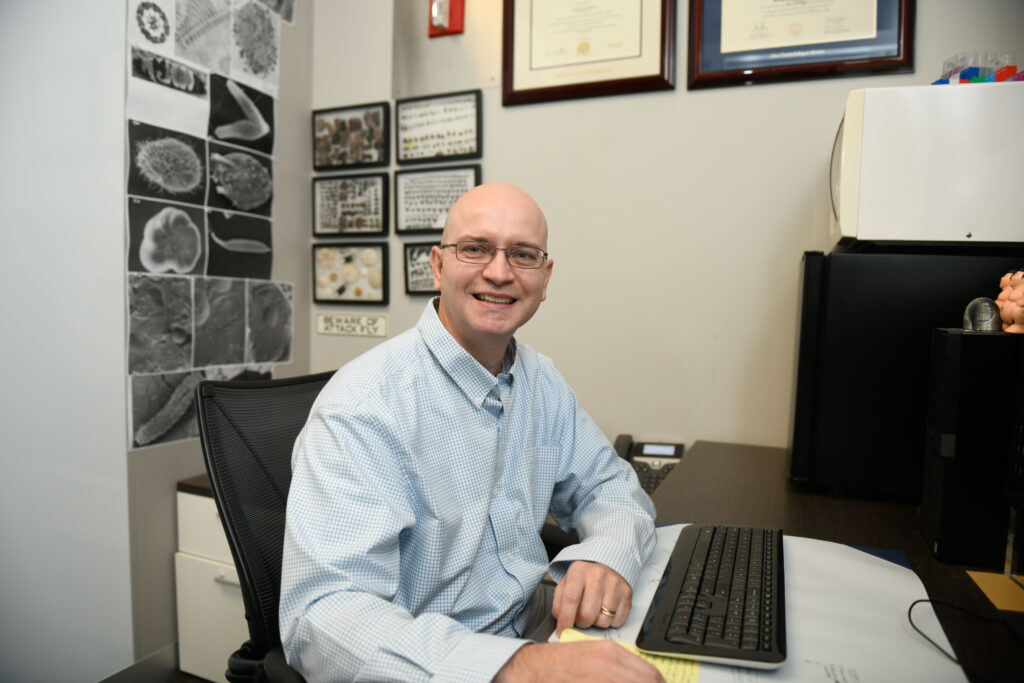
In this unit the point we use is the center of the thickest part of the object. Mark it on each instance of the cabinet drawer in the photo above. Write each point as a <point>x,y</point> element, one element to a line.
<point>211,615</point>
<point>200,531</point>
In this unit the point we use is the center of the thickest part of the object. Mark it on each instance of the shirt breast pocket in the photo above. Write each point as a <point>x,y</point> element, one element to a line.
<point>544,461</point>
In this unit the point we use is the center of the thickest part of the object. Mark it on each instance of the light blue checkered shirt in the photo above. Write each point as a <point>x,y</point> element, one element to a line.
<point>420,484</point>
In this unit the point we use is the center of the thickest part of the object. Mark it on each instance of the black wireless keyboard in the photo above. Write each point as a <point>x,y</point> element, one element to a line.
<point>721,598</point>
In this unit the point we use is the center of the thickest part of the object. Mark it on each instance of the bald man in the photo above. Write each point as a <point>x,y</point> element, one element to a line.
<point>425,473</point>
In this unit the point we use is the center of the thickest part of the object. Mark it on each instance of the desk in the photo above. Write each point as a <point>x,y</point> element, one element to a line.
<point>757,491</point>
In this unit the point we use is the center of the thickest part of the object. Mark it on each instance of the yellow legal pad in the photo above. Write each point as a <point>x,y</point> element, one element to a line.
<point>674,670</point>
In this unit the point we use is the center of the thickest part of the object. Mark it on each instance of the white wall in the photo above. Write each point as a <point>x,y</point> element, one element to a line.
<point>678,219</point>
<point>65,612</point>
<point>89,528</point>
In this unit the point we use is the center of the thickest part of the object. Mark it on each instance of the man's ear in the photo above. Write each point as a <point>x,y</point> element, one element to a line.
<point>435,265</point>
<point>548,265</point>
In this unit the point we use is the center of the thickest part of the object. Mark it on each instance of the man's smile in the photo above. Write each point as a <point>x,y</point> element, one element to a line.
<point>492,299</point>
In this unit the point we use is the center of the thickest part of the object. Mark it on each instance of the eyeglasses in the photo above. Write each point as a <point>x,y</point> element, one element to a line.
<point>518,256</point>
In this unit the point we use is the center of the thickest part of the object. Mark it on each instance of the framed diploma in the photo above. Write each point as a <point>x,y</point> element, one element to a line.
<point>563,49</point>
<point>743,42</point>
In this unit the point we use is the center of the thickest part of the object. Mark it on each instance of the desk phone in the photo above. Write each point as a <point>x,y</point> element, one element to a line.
<point>651,461</point>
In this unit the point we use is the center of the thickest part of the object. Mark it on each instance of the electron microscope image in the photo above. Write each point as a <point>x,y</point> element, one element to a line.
<point>270,322</point>
<point>159,323</point>
<point>169,73</point>
<point>166,164</point>
<point>149,21</point>
<point>203,33</point>
<point>162,408</point>
<point>219,305</point>
<point>240,181</point>
<point>255,37</point>
<point>241,115</point>
<point>239,245</point>
<point>165,238</point>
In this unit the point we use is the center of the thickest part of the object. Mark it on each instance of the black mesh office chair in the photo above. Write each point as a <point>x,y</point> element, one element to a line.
<point>247,429</point>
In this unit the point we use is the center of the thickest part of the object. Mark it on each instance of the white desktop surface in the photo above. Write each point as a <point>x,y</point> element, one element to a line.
<point>846,618</point>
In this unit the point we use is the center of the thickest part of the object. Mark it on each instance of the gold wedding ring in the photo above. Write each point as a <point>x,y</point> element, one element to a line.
<point>607,612</point>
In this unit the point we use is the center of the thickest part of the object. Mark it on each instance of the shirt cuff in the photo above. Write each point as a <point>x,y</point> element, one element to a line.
<point>604,551</point>
<point>478,657</point>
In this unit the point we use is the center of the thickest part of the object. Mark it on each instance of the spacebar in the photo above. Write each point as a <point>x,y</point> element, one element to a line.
<point>682,639</point>
<point>716,641</point>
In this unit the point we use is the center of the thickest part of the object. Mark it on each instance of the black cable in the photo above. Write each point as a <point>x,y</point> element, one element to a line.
<point>964,610</point>
<point>910,618</point>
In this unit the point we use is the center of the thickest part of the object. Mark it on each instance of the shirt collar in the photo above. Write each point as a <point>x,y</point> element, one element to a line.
<point>472,377</point>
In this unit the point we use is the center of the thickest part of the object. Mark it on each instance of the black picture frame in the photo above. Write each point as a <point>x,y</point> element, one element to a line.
<point>652,68</point>
<point>349,137</point>
<point>891,50</point>
<point>424,195</point>
<point>351,205</point>
<point>351,273</point>
<point>419,274</point>
<point>432,128</point>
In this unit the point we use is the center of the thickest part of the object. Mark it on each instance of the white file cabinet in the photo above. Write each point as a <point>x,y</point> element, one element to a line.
<point>211,615</point>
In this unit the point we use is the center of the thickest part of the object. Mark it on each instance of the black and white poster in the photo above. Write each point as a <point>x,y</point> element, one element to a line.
<point>202,76</point>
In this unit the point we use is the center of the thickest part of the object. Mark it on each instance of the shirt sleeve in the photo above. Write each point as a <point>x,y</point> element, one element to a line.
<point>341,568</point>
<point>598,494</point>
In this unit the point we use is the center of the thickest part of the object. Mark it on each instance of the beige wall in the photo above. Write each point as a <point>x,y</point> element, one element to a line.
<point>678,219</point>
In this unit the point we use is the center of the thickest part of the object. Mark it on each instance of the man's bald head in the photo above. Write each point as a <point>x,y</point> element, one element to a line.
<point>515,202</point>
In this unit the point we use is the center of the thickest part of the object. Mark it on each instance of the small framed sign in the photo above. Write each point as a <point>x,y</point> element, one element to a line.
<point>350,273</point>
<point>439,128</point>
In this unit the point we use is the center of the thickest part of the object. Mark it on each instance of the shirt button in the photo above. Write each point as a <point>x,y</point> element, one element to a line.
<point>494,492</point>
<point>511,558</point>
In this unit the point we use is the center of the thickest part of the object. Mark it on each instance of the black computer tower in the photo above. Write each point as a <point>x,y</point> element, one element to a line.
<point>971,414</point>
<point>862,367</point>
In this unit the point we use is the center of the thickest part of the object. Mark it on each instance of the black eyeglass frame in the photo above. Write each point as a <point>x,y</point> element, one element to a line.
<point>495,250</point>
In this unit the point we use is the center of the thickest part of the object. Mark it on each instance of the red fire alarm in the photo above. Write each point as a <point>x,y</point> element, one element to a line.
<point>447,17</point>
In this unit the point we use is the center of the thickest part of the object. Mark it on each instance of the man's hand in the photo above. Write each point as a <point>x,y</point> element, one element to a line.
<point>586,596</point>
<point>598,660</point>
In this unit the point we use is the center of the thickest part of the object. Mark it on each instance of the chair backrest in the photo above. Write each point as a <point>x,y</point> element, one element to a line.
<point>247,430</point>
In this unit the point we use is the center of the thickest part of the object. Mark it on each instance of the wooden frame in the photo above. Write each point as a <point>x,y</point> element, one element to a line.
<point>353,205</point>
<point>423,196</point>
<point>419,274</point>
<point>890,50</point>
<point>435,128</point>
<point>530,72</point>
<point>350,273</point>
<point>352,137</point>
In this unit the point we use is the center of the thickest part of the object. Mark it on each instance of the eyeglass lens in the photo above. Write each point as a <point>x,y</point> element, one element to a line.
<point>517,255</point>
